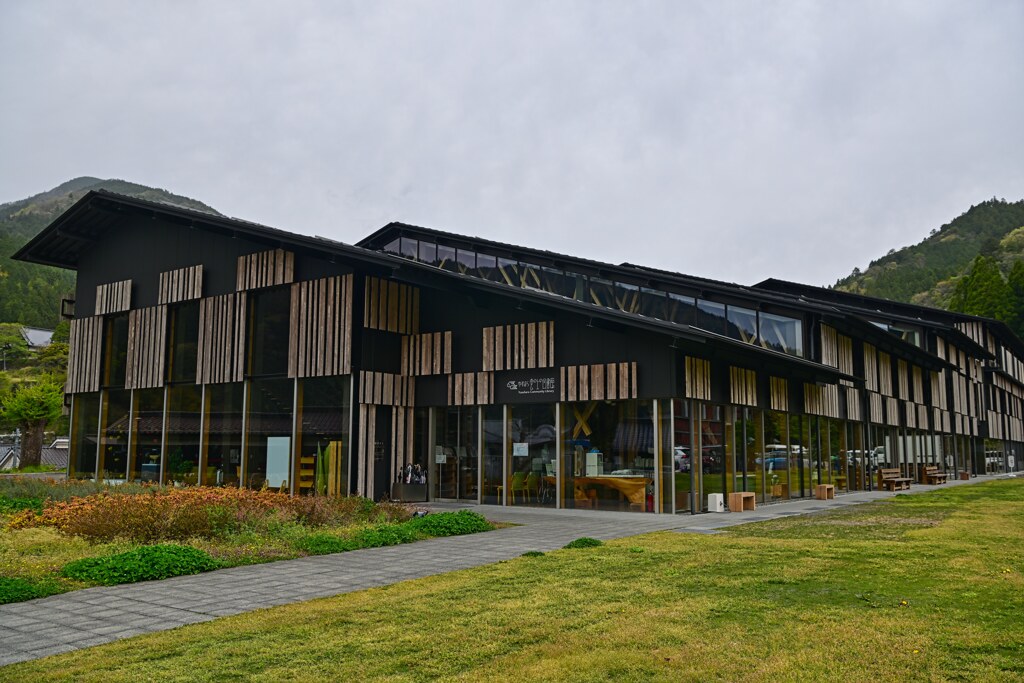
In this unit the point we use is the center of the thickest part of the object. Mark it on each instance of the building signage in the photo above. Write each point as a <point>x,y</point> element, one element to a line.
<point>531,386</point>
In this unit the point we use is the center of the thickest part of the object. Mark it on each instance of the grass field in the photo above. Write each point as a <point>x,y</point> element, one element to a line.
<point>924,587</point>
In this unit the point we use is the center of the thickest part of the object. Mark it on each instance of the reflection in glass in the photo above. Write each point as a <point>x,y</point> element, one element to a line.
<point>558,282</point>
<point>224,411</point>
<point>113,451</point>
<point>742,324</point>
<point>609,452</point>
<point>82,448</point>
<point>269,329</point>
<point>184,342</point>
<point>392,247</point>
<point>710,316</point>
<point>781,333</point>
<point>530,274</point>
<point>409,248</point>
<point>147,433</point>
<point>428,253</point>
<point>532,453</point>
<point>776,455</point>
<point>627,297</point>
<point>323,438</point>
<point>653,304</point>
<point>115,350</point>
<point>466,261</point>
<point>184,416</point>
<point>455,453</point>
<point>487,267</point>
<point>681,309</point>
<point>268,455</point>
<point>712,450</point>
<point>493,436</point>
<point>602,292</point>
<point>446,258</point>
<point>682,450</point>
<point>509,272</point>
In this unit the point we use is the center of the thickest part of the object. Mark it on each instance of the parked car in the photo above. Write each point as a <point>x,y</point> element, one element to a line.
<point>681,458</point>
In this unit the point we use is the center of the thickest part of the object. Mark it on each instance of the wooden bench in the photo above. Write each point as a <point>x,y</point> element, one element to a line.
<point>893,479</point>
<point>932,475</point>
<point>740,501</point>
<point>825,491</point>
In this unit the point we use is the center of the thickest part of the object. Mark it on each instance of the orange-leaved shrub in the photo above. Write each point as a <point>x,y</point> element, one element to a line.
<point>201,511</point>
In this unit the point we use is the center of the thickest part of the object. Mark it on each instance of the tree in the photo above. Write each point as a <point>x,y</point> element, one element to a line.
<point>983,291</point>
<point>31,407</point>
<point>1016,282</point>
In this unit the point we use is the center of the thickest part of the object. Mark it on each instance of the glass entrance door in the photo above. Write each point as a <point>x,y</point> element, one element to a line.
<point>456,462</point>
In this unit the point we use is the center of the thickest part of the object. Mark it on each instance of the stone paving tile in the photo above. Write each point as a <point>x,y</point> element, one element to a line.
<point>61,623</point>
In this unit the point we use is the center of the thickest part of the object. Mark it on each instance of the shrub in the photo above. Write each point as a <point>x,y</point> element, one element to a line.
<point>584,542</point>
<point>533,553</point>
<point>450,523</point>
<point>385,534</point>
<point>9,505</point>
<point>326,544</point>
<point>14,589</point>
<point>142,564</point>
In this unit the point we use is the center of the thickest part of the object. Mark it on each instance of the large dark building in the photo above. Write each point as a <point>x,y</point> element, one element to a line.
<point>208,350</point>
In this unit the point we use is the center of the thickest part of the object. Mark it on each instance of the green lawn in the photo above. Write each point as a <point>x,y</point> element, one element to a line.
<point>924,587</point>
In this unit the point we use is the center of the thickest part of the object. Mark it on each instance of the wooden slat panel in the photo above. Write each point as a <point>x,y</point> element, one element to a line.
<point>147,340</point>
<point>597,382</point>
<point>183,284</point>
<point>221,353</point>
<point>113,297</point>
<point>264,269</point>
<point>320,318</point>
<point>85,349</point>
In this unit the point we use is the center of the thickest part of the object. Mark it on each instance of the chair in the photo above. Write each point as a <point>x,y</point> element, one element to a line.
<point>519,484</point>
<point>533,484</point>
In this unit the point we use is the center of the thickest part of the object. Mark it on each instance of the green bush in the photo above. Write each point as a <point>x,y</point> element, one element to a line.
<point>142,564</point>
<point>9,505</point>
<point>386,534</point>
<point>584,542</point>
<point>450,523</point>
<point>533,553</point>
<point>18,590</point>
<point>326,544</point>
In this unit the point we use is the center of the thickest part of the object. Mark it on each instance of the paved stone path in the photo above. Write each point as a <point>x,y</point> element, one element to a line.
<point>70,621</point>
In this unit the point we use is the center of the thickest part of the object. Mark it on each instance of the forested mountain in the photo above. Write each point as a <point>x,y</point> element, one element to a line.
<point>925,273</point>
<point>31,294</point>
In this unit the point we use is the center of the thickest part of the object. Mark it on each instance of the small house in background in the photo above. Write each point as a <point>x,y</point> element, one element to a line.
<point>36,337</point>
<point>55,455</point>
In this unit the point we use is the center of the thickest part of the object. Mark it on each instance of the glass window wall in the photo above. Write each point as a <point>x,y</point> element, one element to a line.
<point>508,271</point>
<point>781,333</point>
<point>530,274</point>
<point>742,324</point>
<point>446,258</point>
<point>466,261</point>
<point>323,440</point>
<point>184,419</point>
<point>113,450</point>
<point>681,309</point>
<point>653,304</point>
<point>682,450</point>
<point>558,282</point>
<point>455,453</point>
<point>224,412</point>
<point>428,253</point>
<point>82,448</point>
<point>269,327</point>
<point>115,350</point>
<point>610,455</point>
<point>184,342</point>
<point>409,248</point>
<point>776,456</point>
<point>532,452</point>
<point>602,292</point>
<point>147,433</point>
<point>710,316</point>
<point>487,268</point>
<point>494,439</point>
<point>269,442</point>
<point>627,297</point>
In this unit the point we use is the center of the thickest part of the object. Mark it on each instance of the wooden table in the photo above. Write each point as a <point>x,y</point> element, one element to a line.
<point>741,500</point>
<point>633,488</point>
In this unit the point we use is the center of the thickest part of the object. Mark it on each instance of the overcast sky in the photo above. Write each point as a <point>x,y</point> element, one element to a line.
<point>732,140</point>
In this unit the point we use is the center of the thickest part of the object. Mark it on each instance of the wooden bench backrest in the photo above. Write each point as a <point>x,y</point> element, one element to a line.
<point>931,469</point>
<point>893,473</point>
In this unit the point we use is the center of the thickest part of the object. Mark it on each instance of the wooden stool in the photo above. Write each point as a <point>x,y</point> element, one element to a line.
<point>741,501</point>
<point>824,491</point>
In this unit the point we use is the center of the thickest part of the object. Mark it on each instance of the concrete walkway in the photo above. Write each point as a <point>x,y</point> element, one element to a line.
<point>70,621</point>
